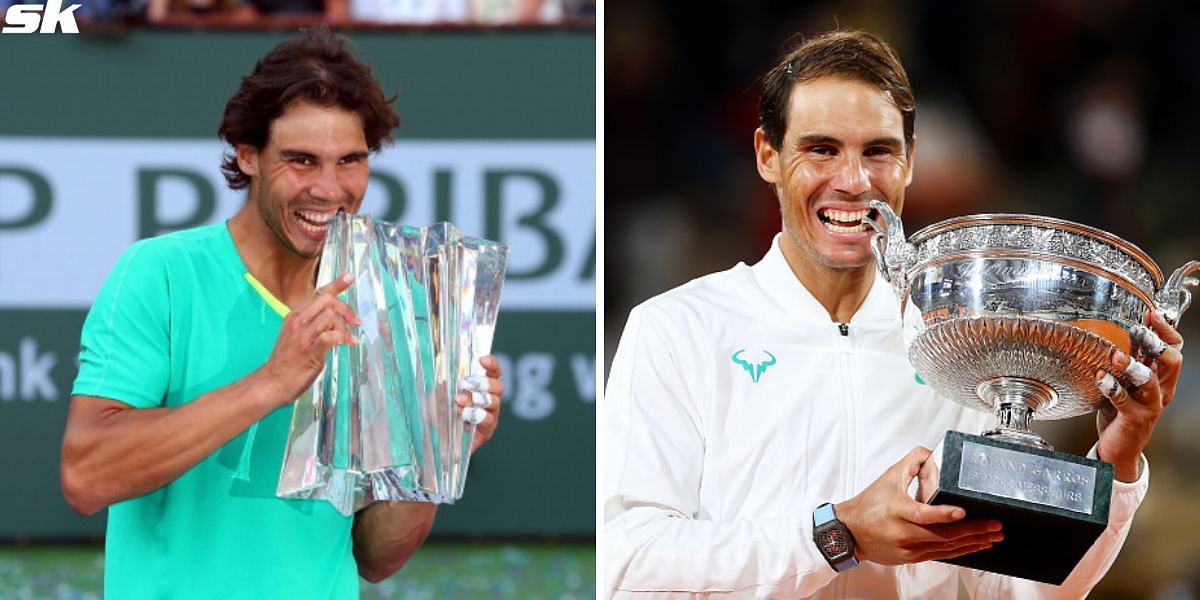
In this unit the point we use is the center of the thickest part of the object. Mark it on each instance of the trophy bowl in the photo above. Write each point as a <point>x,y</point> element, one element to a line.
<point>1017,315</point>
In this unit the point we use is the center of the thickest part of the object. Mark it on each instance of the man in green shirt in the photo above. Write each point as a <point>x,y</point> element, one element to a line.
<point>198,335</point>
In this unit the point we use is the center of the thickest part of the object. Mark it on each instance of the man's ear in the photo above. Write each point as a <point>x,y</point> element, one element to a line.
<point>247,159</point>
<point>766,157</point>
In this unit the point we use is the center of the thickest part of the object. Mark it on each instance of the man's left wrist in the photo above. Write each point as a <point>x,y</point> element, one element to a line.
<point>1124,470</point>
<point>833,539</point>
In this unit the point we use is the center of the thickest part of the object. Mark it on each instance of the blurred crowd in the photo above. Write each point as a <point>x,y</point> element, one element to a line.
<point>1081,110</point>
<point>339,12</point>
<point>1069,108</point>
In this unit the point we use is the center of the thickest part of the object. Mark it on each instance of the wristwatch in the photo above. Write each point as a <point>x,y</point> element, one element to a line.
<point>833,539</point>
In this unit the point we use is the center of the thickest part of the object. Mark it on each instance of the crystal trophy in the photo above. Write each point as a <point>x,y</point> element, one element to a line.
<point>381,421</point>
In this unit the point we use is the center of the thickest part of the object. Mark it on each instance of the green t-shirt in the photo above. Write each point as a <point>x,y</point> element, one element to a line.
<point>178,318</point>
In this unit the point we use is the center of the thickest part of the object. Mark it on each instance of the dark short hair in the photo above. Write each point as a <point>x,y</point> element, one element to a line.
<point>316,67</point>
<point>846,54</point>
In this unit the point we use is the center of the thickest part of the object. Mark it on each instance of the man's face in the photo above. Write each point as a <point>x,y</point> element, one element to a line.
<point>844,146</point>
<point>314,163</point>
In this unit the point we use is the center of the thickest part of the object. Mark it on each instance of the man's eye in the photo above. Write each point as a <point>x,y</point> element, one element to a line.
<point>303,161</point>
<point>878,152</point>
<point>823,150</point>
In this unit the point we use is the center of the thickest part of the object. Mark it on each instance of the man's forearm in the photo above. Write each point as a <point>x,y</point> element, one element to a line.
<point>386,534</point>
<point>112,452</point>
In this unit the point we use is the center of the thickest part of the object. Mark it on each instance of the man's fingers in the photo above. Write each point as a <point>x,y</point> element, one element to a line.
<point>1170,362</point>
<point>952,545</point>
<point>324,303</point>
<point>484,420</point>
<point>337,286</point>
<point>328,320</point>
<point>909,466</point>
<point>1169,334</point>
<point>480,391</point>
<point>1108,385</point>
<point>931,514</point>
<point>491,366</point>
<point>326,297</point>
<point>466,398</point>
<point>1148,340</point>
<point>1124,374</point>
<point>480,383</point>
<point>1143,390</point>
<point>1134,371</point>
<point>334,337</point>
<point>955,552</point>
<point>488,419</point>
<point>344,311</point>
<point>481,399</point>
<point>967,532</point>
<point>474,415</point>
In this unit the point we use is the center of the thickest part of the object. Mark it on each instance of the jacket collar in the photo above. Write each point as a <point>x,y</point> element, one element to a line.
<point>775,277</point>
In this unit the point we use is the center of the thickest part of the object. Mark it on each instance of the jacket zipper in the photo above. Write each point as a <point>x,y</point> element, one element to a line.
<point>846,357</point>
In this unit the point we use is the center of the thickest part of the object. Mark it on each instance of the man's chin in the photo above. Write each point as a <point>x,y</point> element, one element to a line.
<point>848,261</point>
<point>307,253</point>
<point>833,254</point>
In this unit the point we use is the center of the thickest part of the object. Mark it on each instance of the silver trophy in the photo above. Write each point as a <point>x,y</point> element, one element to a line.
<point>1015,315</point>
<point>381,421</point>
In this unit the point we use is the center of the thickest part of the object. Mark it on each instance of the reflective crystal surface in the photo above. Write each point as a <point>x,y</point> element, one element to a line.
<point>381,422</point>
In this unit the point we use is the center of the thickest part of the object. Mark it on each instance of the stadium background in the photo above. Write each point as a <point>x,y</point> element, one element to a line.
<point>1080,110</point>
<point>109,136</point>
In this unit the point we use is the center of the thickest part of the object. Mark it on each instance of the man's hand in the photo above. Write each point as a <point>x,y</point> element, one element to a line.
<point>479,399</point>
<point>307,335</point>
<point>1125,425</point>
<point>890,528</point>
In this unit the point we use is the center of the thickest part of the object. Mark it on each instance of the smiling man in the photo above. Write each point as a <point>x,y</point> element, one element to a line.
<point>200,334</point>
<point>764,423</point>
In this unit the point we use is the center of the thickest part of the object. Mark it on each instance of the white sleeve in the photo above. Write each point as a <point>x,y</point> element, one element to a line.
<point>1126,497</point>
<point>656,542</point>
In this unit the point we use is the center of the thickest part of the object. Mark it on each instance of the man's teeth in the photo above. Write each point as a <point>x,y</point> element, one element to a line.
<point>320,218</point>
<point>305,225</point>
<point>845,221</point>
<point>841,229</point>
<point>314,222</point>
<point>847,216</point>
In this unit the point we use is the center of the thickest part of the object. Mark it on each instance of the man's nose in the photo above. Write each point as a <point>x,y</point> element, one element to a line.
<point>852,177</point>
<point>324,185</point>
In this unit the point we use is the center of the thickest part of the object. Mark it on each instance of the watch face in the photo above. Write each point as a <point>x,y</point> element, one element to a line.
<point>833,542</point>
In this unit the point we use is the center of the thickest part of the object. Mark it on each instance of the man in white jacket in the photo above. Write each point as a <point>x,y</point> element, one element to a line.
<point>746,404</point>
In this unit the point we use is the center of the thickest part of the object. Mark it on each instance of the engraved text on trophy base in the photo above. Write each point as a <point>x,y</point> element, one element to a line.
<point>1028,477</point>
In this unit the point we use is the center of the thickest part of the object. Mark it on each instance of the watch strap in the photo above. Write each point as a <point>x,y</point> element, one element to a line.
<point>824,515</point>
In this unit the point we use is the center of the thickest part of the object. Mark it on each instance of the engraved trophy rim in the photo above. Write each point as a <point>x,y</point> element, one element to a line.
<point>1141,256</point>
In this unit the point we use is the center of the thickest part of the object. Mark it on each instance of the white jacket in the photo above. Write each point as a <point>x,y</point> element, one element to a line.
<point>735,407</point>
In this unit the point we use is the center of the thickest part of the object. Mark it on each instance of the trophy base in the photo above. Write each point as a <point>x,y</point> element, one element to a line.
<point>1052,505</point>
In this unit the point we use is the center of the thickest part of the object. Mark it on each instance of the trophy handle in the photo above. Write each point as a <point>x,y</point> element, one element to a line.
<point>894,256</point>
<point>1175,297</point>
